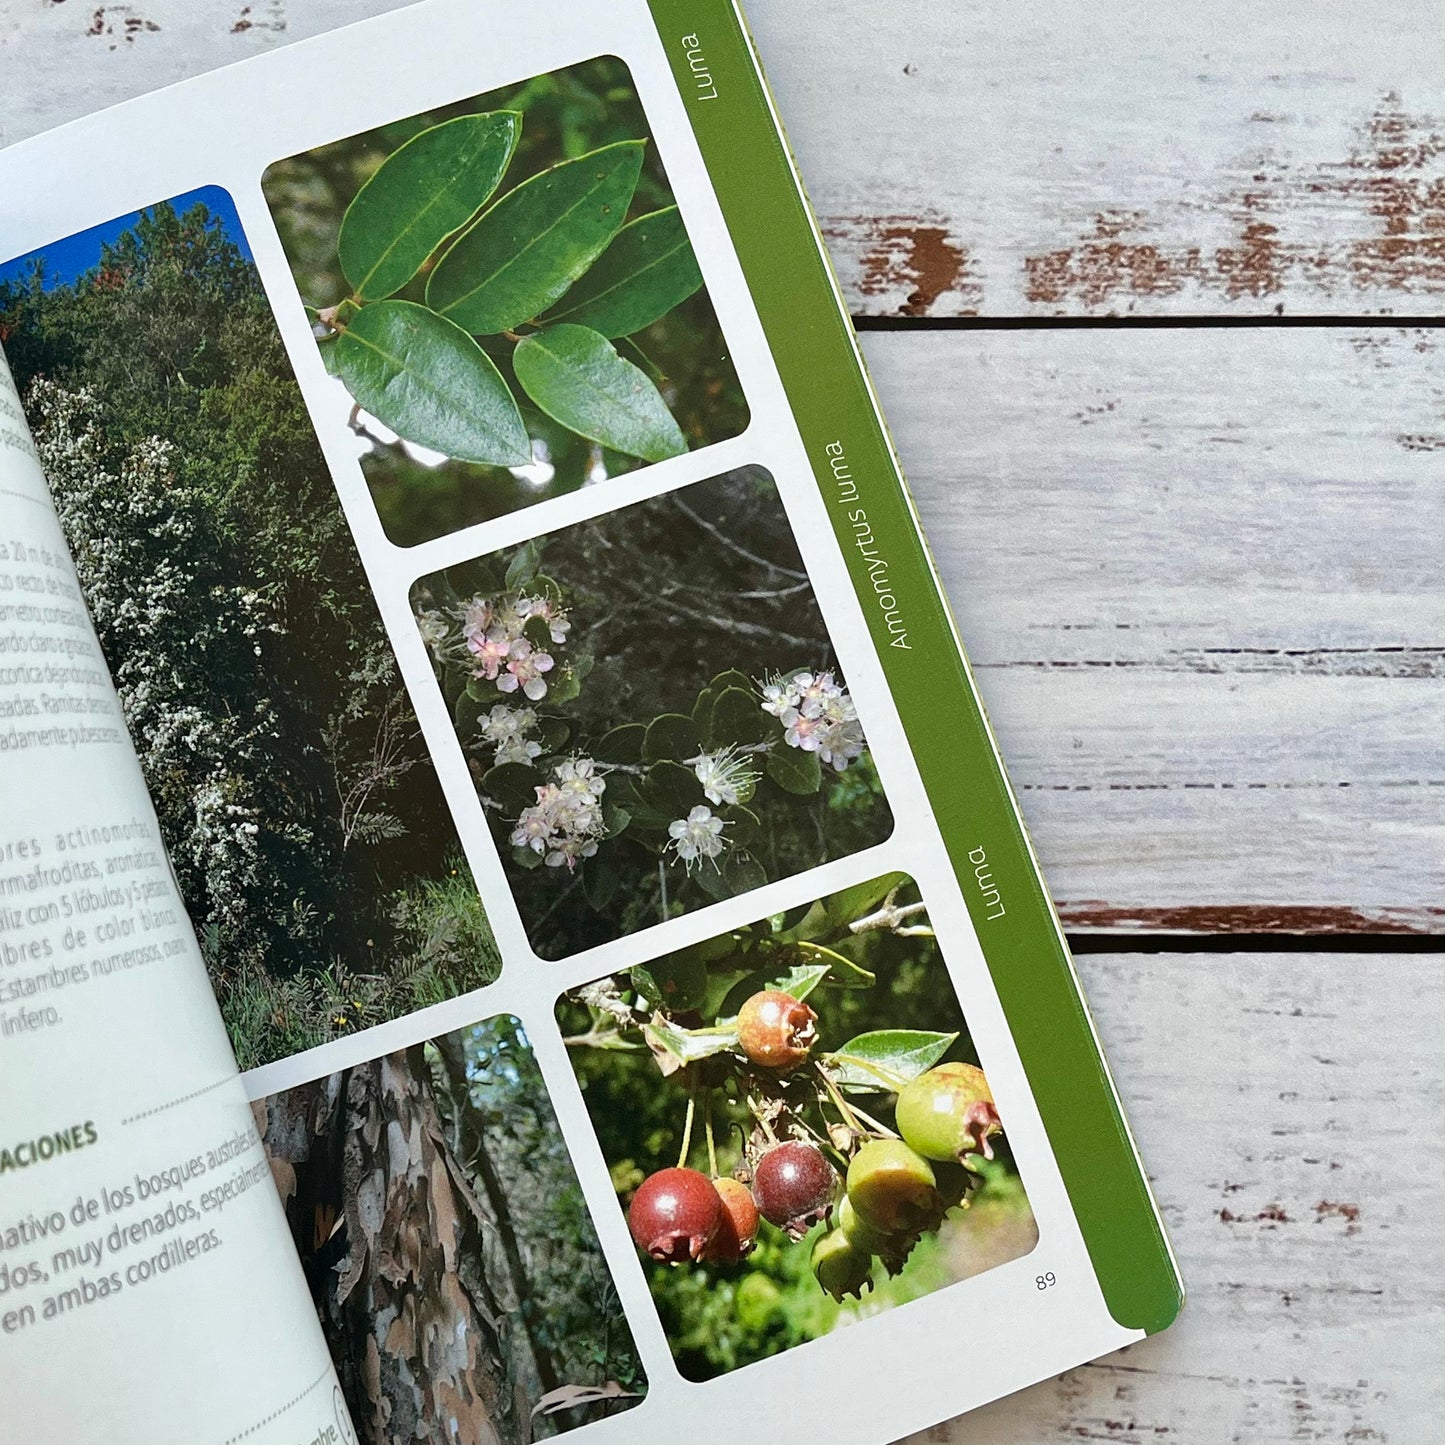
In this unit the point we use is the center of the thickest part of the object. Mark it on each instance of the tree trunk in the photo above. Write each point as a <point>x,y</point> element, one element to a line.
<point>393,1240</point>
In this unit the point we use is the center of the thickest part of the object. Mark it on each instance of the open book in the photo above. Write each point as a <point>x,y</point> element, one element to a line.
<point>511,918</point>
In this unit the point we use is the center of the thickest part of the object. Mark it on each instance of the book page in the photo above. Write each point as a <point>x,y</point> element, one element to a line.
<point>146,1276</point>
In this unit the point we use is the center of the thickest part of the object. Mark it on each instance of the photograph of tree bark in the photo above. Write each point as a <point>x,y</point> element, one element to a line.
<point>455,1268</point>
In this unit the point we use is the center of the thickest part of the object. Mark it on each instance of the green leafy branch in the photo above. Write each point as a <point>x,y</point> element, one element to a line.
<point>552,268</point>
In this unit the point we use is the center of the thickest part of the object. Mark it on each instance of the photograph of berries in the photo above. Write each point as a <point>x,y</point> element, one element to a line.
<point>506,298</point>
<point>797,1125</point>
<point>452,1260</point>
<point>298,803</point>
<point>652,711</point>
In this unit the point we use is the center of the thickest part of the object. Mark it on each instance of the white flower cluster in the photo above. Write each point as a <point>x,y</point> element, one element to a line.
<point>725,775</point>
<point>498,651</point>
<point>565,824</point>
<point>506,728</point>
<point>817,716</point>
<point>697,836</point>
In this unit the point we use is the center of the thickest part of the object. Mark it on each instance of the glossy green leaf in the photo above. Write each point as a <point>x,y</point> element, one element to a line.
<point>427,380</point>
<point>525,561</point>
<point>621,745</point>
<point>738,717</point>
<point>674,982</point>
<point>576,376</point>
<point>882,1062</point>
<point>800,981</point>
<point>419,195</point>
<point>670,736</point>
<point>523,253</point>
<point>647,270</point>
<point>794,770</point>
<point>513,785</point>
<point>850,904</point>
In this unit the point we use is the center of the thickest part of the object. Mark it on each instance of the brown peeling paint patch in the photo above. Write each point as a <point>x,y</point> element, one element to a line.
<point>1115,260</point>
<point>274,19</point>
<point>910,264</point>
<point>119,25</point>
<point>1372,222</point>
<point>1093,916</point>
<point>1270,1217</point>
<point>1350,1213</point>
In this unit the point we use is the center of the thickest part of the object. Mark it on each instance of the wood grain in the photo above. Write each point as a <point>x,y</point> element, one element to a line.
<point>1219,157</point>
<point>1198,573</point>
<point>1296,1165</point>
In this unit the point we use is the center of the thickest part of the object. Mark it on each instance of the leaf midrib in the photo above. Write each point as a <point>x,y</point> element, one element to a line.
<point>416,220</point>
<point>403,371</point>
<point>573,369</point>
<point>512,260</point>
<point>682,245</point>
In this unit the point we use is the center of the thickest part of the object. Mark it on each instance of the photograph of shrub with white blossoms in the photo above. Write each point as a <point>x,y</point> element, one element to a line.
<point>506,298</point>
<point>652,711</point>
<point>308,832</point>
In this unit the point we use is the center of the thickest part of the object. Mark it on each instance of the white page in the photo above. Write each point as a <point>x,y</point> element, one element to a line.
<point>148,1286</point>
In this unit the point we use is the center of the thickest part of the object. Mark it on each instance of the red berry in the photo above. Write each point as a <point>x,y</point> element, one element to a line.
<point>674,1215</point>
<point>739,1227</point>
<point>794,1186</point>
<point>776,1030</point>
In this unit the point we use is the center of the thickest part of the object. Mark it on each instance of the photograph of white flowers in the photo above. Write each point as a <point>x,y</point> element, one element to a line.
<point>652,711</point>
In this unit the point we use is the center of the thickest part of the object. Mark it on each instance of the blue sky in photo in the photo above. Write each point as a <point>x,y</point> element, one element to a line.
<point>67,260</point>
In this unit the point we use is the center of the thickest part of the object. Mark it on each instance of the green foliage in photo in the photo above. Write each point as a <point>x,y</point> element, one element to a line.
<point>668,1082</point>
<point>652,712</point>
<point>507,292</point>
<point>313,846</point>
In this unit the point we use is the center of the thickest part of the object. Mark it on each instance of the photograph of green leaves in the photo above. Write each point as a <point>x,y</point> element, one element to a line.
<point>298,804</point>
<point>507,299</point>
<point>797,1125</point>
<point>652,711</point>
<point>454,1266</point>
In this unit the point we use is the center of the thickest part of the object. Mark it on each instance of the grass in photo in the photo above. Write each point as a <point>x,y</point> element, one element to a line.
<point>797,1126</point>
<point>309,834</point>
<point>453,1263</point>
<point>507,299</point>
<point>652,711</point>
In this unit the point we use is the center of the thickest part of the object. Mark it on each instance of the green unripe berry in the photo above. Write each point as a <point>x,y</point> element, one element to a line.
<point>862,1234</point>
<point>840,1267</point>
<point>893,1188</point>
<point>948,1113</point>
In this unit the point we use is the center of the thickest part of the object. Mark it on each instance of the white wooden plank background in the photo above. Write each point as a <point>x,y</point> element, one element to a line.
<point>1199,573</point>
<point>1054,158</point>
<point>1299,1170</point>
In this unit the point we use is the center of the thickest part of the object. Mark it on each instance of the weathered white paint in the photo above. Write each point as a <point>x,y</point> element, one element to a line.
<point>1199,574</point>
<point>1219,156</point>
<point>1288,1106</point>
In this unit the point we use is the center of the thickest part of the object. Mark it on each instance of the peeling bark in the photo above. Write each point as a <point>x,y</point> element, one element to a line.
<point>423,1324</point>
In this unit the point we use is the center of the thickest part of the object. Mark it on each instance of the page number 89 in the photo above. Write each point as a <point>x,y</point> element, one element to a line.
<point>1045,1281</point>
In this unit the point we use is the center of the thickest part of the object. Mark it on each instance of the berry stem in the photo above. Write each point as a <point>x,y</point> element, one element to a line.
<point>707,1129</point>
<point>882,1130</point>
<point>687,1126</point>
<point>845,1112</point>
